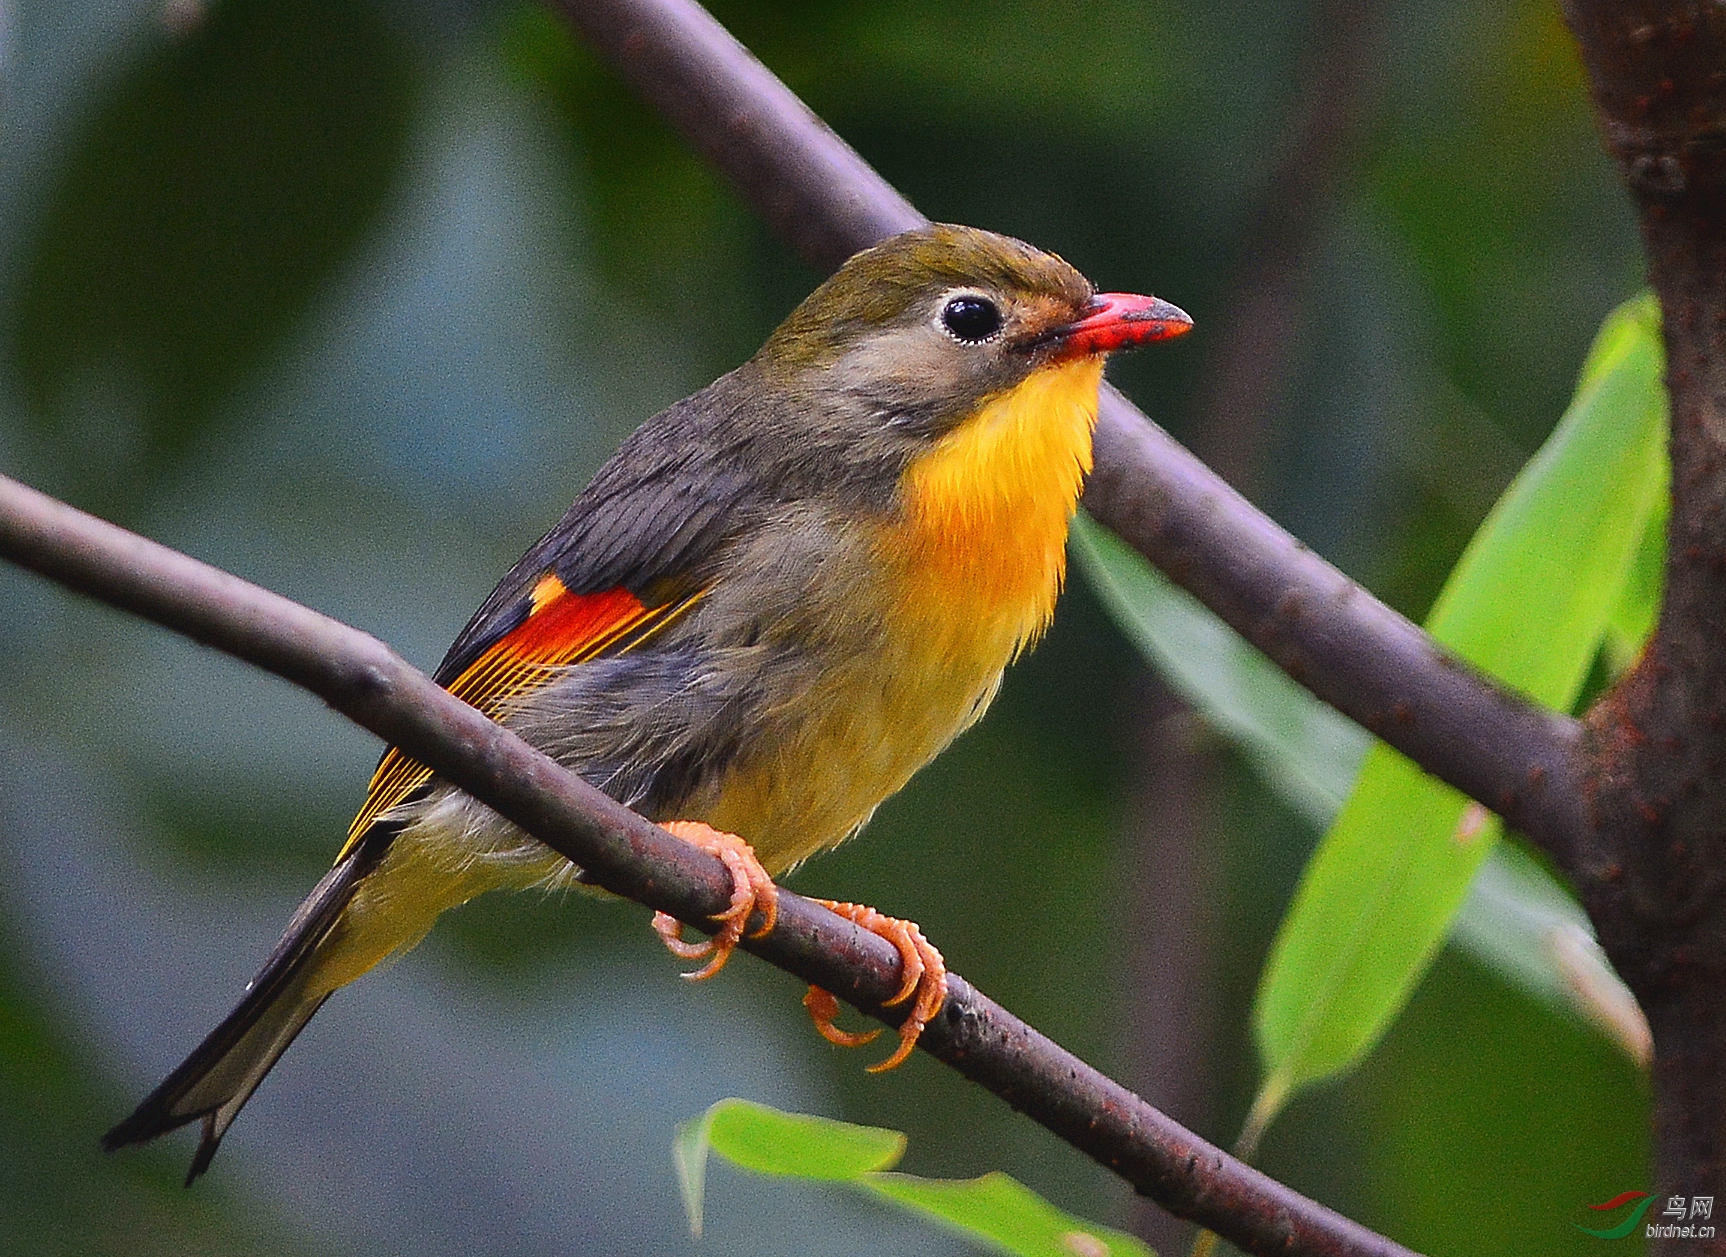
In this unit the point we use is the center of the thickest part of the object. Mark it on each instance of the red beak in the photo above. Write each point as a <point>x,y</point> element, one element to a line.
<point>1120,320</point>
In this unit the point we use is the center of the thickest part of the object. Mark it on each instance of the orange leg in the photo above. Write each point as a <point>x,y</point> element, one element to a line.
<point>924,975</point>
<point>751,888</point>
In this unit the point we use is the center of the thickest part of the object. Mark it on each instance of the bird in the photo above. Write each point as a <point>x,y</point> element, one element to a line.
<point>775,602</point>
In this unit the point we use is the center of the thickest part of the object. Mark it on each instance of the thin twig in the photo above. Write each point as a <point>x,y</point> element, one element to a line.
<point>366,681</point>
<point>1331,635</point>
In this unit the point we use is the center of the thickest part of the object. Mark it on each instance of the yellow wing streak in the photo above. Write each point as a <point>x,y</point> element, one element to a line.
<point>561,629</point>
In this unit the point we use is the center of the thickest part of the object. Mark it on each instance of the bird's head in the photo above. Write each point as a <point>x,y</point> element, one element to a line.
<point>919,332</point>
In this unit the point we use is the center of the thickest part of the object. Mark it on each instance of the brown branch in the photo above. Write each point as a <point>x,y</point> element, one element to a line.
<point>1654,863</point>
<point>367,682</point>
<point>1327,632</point>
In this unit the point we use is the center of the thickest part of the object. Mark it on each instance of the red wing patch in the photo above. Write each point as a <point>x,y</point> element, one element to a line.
<point>561,629</point>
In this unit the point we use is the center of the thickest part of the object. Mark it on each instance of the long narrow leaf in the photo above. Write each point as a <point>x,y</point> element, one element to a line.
<point>771,1142</point>
<point>1638,604</point>
<point>1307,752</point>
<point>1004,1214</point>
<point>994,1210</point>
<point>1517,919</point>
<point>1530,602</point>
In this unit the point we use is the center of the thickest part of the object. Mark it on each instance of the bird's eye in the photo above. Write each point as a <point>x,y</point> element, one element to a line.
<point>971,320</point>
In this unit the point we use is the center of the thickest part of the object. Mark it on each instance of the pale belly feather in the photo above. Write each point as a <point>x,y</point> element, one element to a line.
<point>835,762</point>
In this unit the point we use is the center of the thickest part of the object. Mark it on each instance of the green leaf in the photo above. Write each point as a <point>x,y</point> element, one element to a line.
<point>993,1209</point>
<point>1529,602</point>
<point>1528,928</point>
<point>771,1142</point>
<point>1517,919</point>
<point>206,198</point>
<point>1638,605</point>
<point>1004,1213</point>
<point>1306,751</point>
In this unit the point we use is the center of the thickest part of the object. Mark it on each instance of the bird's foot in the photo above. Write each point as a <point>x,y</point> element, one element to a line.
<point>923,974</point>
<point>751,888</point>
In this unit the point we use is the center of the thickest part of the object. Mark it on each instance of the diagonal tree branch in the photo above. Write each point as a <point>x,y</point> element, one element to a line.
<point>1331,635</point>
<point>628,855</point>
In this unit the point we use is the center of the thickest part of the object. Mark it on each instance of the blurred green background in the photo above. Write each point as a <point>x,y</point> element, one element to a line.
<point>350,298</point>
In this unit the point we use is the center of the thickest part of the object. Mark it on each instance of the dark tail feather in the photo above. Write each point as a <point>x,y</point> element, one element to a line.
<point>217,1079</point>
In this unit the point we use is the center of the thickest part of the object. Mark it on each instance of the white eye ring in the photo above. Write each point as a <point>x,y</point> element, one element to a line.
<point>970,318</point>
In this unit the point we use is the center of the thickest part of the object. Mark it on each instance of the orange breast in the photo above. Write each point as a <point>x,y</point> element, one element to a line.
<point>985,512</point>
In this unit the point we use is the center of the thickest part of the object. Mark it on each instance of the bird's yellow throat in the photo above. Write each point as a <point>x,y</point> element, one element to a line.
<point>986,510</point>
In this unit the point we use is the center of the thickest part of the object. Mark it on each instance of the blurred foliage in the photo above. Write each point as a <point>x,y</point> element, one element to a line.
<point>172,254</point>
<point>350,298</point>
<point>50,1110</point>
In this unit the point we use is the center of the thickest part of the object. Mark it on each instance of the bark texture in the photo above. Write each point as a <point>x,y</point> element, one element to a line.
<point>1653,861</point>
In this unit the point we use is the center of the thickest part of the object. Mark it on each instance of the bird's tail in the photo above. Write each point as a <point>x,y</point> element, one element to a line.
<point>217,1079</point>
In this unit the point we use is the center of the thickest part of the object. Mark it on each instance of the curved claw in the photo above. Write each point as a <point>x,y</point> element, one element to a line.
<point>923,973</point>
<point>751,888</point>
<point>823,1008</point>
<point>670,931</point>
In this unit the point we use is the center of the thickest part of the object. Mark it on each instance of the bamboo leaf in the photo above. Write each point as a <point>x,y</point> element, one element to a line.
<point>1517,919</point>
<point>1005,1214</point>
<point>771,1142</point>
<point>1306,751</point>
<point>1529,602</point>
<point>1638,605</point>
<point>993,1210</point>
